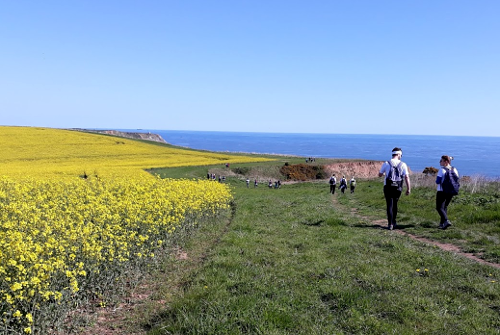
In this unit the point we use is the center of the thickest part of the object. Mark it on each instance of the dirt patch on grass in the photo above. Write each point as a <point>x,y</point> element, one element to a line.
<point>382,224</point>
<point>448,247</point>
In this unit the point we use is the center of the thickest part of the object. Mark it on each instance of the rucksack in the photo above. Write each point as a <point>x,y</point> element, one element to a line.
<point>450,183</point>
<point>395,176</point>
<point>332,181</point>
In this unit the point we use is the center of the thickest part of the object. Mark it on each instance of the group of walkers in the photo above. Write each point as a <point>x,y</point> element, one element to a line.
<point>270,184</point>
<point>342,184</point>
<point>277,184</point>
<point>212,176</point>
<point>395,171</point>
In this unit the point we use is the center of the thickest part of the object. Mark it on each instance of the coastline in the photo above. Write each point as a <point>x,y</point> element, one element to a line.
<point>420,151</point>
<point>125,134</point>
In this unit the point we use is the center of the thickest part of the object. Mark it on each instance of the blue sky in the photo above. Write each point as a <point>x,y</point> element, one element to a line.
<point>355,67</point>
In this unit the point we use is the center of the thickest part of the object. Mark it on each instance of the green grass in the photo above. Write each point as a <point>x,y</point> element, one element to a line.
<point>475,217</point>
<point>297,261</point>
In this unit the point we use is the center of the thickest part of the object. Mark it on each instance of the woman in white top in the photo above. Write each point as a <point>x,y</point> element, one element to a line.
<point>443,199</point>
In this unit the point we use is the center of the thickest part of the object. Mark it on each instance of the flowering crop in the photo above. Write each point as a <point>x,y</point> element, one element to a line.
<point>65,238</point>
<point>45,152</point>
<point>57,236</point>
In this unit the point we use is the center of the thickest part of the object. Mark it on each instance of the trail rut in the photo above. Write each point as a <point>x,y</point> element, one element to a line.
<point>382,224</point>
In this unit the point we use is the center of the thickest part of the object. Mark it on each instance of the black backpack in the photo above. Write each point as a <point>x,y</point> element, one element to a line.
<point>395,176</point>
<point>450,183</point>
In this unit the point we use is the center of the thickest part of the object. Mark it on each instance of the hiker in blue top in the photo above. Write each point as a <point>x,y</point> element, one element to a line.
<point>395,171</point>
<point>447,187</point>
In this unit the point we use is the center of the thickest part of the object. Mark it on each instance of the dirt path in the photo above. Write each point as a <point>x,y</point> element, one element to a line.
<point>382,224</point>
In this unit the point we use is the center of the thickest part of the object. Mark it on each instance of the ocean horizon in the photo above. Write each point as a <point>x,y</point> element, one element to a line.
<point>473,155</point>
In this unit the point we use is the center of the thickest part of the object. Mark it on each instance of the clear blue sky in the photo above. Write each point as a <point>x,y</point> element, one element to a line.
<point>358,67</point>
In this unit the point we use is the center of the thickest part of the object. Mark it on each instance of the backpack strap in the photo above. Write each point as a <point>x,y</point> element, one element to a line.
<point>446,170</point>
<point>390,166</point>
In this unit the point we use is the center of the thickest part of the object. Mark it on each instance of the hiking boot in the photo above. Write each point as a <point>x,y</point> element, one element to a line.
<point>391,227</point>
<point>446,224</point>
<point>440,226</point>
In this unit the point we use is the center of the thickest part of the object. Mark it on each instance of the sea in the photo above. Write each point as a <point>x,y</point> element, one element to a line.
<point>473,156</point>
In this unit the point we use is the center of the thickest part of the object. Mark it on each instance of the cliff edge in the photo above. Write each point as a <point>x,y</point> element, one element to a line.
<point>366,169</point>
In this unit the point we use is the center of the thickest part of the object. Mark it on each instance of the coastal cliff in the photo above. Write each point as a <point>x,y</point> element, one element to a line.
<point>133,135</point>
<point>365,169</point>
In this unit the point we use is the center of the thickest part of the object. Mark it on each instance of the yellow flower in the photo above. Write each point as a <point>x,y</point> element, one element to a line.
<point>54,232</point>
<point>9,299</point>
<point>35,280</point>
<point>16,287</point>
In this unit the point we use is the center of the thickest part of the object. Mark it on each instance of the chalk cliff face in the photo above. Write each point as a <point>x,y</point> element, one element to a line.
<point>137,136</point>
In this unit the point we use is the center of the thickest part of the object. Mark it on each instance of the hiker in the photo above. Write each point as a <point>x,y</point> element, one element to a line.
<point>447,187</point>
<point>248,183</point>
<point>343,184</point>
<point>255,183</point>
<point>395,171</point>
<point>333,183</point>
<point>270,183</point>
<point>353,184</point>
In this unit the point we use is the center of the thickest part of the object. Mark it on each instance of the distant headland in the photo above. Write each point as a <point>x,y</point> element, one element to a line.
<point>133,135</point>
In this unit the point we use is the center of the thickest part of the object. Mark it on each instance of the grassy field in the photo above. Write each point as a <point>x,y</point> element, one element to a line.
<point>298,260</point>
<point>295,260</point>
<point>475,216</point>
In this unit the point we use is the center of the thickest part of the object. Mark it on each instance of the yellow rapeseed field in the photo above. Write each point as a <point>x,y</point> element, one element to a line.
<point>47,152</point>
<point>64,238</point>
<point>58,235</point>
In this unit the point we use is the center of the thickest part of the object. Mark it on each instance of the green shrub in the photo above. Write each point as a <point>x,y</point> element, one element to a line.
<point>430,171</point>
